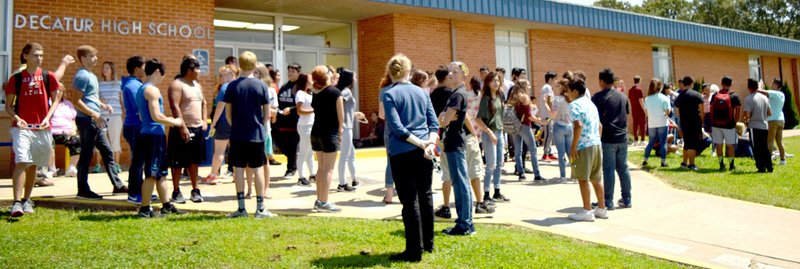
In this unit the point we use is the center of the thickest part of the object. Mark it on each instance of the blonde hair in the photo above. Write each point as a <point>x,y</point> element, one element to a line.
<point>263,74</point>
<point>228,67</point>
<point>740,128</point>
<point>398,67</point>
<point>247,61</point>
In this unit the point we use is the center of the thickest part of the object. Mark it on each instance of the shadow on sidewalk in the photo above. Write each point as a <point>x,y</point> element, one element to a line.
<point>549,222</point>
<point>365,259</point>
<point>361,203</point>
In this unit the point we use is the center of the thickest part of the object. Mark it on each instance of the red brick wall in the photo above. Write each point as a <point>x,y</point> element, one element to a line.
<point>712,65</point>
<point>375,46</point>
<point>557,51</point>
<point>114,47</point>
<point>475,45</point>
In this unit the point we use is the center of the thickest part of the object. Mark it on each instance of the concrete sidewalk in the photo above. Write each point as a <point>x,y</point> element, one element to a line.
<point>688,227</point>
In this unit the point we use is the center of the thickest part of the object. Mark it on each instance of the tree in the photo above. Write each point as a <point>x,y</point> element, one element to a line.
<point>673,9</point>
<point>613,4</point>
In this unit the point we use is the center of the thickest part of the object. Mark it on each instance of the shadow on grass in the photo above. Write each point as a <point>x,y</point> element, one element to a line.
<point>196,217</point>
<point>6,216</point>
<point>105,217</point>
<point>354,261</point>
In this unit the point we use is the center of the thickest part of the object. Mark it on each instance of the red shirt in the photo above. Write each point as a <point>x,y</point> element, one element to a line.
<point>634,95</point>
<point>523,112</point>
<point>32,101</point>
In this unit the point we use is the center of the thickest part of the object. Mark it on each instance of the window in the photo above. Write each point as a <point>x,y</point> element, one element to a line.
<point>662,63</point>
<point>755,67</point>
<point>511,50</point>
<point>5,46</point>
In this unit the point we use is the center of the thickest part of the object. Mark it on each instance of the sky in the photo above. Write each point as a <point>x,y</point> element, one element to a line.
<point>590,2</point>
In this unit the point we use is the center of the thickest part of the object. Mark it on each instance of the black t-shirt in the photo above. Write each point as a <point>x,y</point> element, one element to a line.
<point>246,97</point>
<point>688,104</point>
<point>326,119</point>
<point>286,99</point>
<point>454,137</point>
<point>439,98</point>
<point>735,102</point>
<point>613,108</point>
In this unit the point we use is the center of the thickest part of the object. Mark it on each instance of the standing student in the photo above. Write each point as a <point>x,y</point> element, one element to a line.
<point>411,146</point>
<point>348,154</point>
<point>187,144</point>
<point>151,143</point>
<point>31,99</point>
<point>261,73</point>
<point>247,110</point>
<point>545,108</point>
<point>586,154</point>
<point>562,128</point>
<point>475,165</point>
<point>524,109</point>
<point>725,110</point>
<point>388,180</point>
<point>220,128</point>
<point>776,121</point>
<point>439,98</point>
<point>455,149</point>
<point>614,120</point>
<point>507,84</point>
<point>92,126</point>
<point>132,125</point>
<point>326,133</point>
<point>636,99</point>
<point>111,94</point>
<point>658,109</point>
<point>756,111</point>
<point>690,111</point>
<point>490,120</point>
<point>305,122</point>
<point>285,131</point>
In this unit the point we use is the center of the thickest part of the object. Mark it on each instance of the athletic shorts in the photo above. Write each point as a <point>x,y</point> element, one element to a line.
<point>475,164</point>
<point>153,148</point>
<point>589,164</point>
<point>693,138</point>
<point>32,146</point>
<point>223,130</point>
<point>325,143</point>
<point>114,126</point>
<point>244,154</point>
<point>182,153</point>
<point>724,136</point>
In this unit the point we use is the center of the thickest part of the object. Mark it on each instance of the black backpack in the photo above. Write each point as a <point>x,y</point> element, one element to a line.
<point>18,87</point>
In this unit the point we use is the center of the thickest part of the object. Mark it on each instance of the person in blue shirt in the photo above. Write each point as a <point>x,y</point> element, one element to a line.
<point>777,121</point>
<point>132,125</point>
<point>220,128</point>
<point>412,131</point>
<point>91,125</point>
<point>152,141</point>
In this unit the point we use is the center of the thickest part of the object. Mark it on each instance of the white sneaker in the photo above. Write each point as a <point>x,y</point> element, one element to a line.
<point>783,162</point>
<point>584,215</point>
<point>264,213</point>
<point>601,213</point>
<point>72,172</point>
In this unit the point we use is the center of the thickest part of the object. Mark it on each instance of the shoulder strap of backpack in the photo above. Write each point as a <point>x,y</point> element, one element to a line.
<point>17,88</point>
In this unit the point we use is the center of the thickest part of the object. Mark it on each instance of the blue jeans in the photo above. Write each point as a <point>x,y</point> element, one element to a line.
<point>457,164</point>
<point>563,139</point>
<point>615,158</point>
<point>525,134</point>
<point>659,135</point>
<point>347,156</point>
<point>493,157</point>
<point>130,133</point>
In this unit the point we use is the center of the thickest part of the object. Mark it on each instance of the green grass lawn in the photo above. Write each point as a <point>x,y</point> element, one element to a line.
<point>70,239</point>
<point>779,188</point>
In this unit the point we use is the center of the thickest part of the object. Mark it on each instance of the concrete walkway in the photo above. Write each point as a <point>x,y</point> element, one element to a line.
<point>688,227</point>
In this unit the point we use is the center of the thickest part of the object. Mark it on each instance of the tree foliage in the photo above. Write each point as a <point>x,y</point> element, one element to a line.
<point>771,17</point>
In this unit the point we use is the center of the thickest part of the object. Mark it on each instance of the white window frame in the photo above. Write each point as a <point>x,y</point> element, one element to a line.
<point>759,65</point>
<point>7,16</point>
<point>668,58</point>
<point>511,45</point>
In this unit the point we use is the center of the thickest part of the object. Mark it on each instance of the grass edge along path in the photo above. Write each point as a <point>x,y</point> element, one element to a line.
<point>69,239</point>
<point>779,188</point>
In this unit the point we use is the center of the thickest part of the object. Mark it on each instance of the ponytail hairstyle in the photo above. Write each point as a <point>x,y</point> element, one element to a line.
<point>398,67</point>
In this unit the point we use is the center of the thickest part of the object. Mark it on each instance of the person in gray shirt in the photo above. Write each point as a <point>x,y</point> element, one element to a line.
<point>756,111</point>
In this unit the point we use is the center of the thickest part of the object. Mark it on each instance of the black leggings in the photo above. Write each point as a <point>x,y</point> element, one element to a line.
<point>287,140</point>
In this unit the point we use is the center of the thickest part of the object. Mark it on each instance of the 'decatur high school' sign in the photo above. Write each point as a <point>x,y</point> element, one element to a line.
<point>121,27</point>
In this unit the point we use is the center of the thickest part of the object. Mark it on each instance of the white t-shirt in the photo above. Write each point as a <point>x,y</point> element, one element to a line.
<point>547,90</point>
<point>561,105</point>
<point>272,99</point>
<point>507,85</point>
<point>305,98</point>
<point>655,105</point>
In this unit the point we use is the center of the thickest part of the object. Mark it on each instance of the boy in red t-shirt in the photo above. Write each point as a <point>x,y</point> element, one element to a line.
<point>636,99</point>
<point>30,130</point>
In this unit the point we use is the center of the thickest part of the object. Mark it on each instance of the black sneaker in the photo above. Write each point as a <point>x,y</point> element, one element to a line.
<point>721,166</point>
<point>483,208</point>
<point>312,178</point>
<point>356,183</point>
<point>623,204</point>
<point>406,257</point>
<point>289,173</point>
<point>443,212</point>
<point>732,167</point>
<point>123,189</point>
<point>538,179</point>
<point>345,187</point>
<point>177,197</point>
<point>500,198</point>
<point>303,182</point>
<point>196,196</point>
<point>664,165</point>
<point>521,177</point>
<point>151,214</point>
<point>644,163</point>
<point>274,162</point>
<point>684,166</point>
<point>90,195</point>
<point>693,167</point>
<point>488,200</point>
<point>171,210</point>
<point>455,231</point>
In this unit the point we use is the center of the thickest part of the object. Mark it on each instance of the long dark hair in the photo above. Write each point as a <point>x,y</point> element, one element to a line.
<point>487,90</point>
<point>475,84</point>
<point>301,84</point>
<point>345,79</point>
